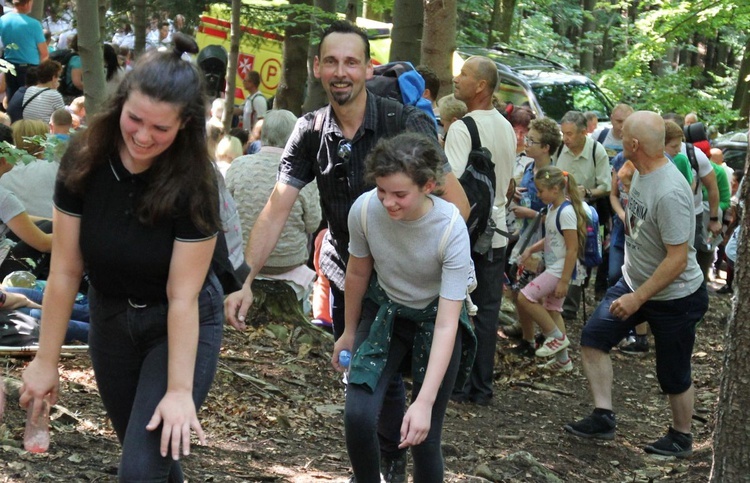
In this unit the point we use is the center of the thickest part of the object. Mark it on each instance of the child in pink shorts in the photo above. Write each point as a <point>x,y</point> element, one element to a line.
<point>541,300</point>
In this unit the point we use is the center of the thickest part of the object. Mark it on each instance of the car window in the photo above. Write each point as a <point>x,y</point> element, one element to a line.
<point>557,99</point>
<point>510,92</point>
<point>735,158</point>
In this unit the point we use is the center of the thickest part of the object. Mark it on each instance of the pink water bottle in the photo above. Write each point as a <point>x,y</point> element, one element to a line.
<point>36,436</point>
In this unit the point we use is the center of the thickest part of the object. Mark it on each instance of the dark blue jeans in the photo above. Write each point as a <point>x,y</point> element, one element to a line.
<point>672,323</point>
<point>365,412</point>
<point>128,349</point>
<point>616,251</point>
<point>487,296</point>
<point>78,326</point>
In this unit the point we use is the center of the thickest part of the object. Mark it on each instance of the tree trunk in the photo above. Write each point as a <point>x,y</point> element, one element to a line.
<point>139,26</point>
<point>37,9</point>
<point>291,92</point>
<point>351,11</point>
<point>732,431</point>
<point>406,34</point>
<point>742,92</point>
<point>439,40</point>
<point>235,34</point>
<point>316,96</point>
<point>501,23</point>
<point>92,58</point>
<point>587,29</point>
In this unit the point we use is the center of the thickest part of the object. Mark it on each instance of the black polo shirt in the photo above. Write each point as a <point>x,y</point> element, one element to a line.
<point>312,153</point>
<point>124,257</point>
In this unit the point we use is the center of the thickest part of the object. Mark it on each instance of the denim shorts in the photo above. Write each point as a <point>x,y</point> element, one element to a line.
<point>672,323</point>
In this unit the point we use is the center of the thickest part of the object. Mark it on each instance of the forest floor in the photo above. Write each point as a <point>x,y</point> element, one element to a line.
<point>275,414</point>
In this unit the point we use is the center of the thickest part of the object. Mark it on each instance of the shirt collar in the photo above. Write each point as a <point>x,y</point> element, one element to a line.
<point>120,171</point>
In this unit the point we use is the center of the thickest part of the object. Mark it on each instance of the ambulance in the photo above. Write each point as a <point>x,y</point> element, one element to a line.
<point>261,50</point>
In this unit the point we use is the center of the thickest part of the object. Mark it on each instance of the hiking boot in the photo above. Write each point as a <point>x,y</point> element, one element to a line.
<point>635,346</point>
<point>553,365</point>
<point>595,425</point>
<point>674,443</point>
<point>523,349</point>
<point>552,346</point>
<point>393,468</point>
<point>512,330</point>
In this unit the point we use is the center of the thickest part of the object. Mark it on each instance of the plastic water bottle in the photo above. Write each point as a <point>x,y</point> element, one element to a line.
<point>36,436</point>
<point>345,357</point>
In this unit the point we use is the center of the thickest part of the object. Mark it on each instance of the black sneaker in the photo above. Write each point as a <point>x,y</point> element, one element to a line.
<point>637,347</point>
<point>523,349</point>
<point>673,443</point>
<point>393,468</point>
<point>595,425</point>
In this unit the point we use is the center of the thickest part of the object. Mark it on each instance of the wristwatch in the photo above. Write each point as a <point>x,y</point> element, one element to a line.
<point>714,218</point>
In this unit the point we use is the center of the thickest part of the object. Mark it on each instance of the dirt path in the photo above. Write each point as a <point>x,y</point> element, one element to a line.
<point>273,416</point>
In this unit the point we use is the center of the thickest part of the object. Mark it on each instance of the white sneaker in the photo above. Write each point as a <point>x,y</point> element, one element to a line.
<point>552,346</point>
<point>554,365</point>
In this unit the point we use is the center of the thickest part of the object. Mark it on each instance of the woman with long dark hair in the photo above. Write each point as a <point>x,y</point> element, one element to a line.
<point>137,205</point>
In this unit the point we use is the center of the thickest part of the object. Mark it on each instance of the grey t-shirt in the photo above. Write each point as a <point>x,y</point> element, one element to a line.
<point>660,213</point>
<point>406,253</point>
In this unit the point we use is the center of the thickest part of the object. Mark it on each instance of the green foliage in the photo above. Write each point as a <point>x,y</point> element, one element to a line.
<point>53,148</point>
<point>632,81</point>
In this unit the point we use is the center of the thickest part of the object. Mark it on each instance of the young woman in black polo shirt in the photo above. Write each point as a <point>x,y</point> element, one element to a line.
<point>137,206</point>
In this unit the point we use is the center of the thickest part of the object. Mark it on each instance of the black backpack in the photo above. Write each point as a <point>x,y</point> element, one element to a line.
<point>479,184</point>
<point>400,82</point>
<point>63,56</point>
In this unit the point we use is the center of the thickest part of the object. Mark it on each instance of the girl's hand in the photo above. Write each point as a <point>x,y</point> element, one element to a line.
<point>561,290</point>
<point>40,380</point>
<point>345,342</point>
<point>523,212</point>
<point>524,256</point>
<point>176,413</point>
<point>416,424</point>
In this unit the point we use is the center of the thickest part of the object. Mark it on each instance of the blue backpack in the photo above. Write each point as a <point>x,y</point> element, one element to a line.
<point>592,252</point>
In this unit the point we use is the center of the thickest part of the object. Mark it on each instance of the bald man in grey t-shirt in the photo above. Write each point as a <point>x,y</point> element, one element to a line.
<point>662,285</point>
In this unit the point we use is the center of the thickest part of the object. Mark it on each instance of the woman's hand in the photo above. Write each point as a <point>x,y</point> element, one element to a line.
<point>176,413</point>
<point>416,424</point>
<point>519,193</point>
<point>345,342</point>
<point>40,380</point>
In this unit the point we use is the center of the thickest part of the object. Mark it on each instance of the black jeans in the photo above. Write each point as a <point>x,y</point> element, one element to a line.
<point>365,411</point>
<point>487,296</point>
<point>128,349</point>
<point>395,396</point>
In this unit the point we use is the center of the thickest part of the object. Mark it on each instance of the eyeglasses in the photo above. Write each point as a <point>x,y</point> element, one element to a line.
<point>344,152</point>
<point>531,142</point>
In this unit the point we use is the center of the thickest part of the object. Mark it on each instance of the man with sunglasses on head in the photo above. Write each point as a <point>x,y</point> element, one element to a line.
<point>330,146</point>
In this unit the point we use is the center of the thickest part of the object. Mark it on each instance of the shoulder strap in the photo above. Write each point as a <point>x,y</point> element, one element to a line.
<point>391,113</point>
<point>23,106</point>
<point>471,125</point>
<point>690,151</point>
<point>446,234</point>
<point>557,217</point>
<point>603,135</point>
<point>363,212</point>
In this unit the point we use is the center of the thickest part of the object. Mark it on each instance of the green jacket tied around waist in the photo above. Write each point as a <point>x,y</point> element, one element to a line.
<point>369,360</point>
